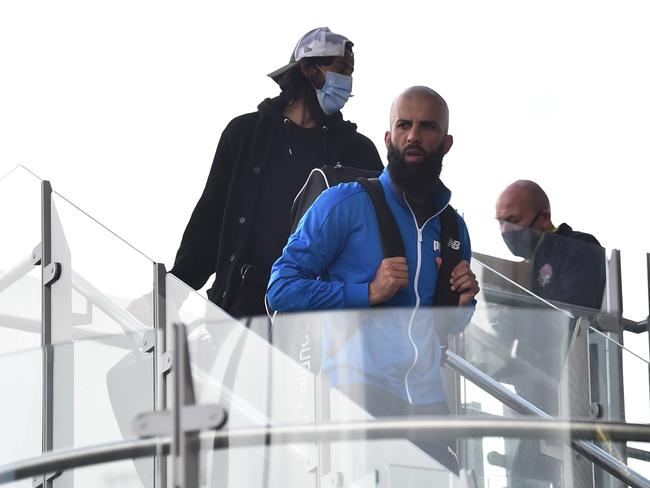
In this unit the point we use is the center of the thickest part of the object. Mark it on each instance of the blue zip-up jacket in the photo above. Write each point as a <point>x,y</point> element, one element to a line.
<point>329,262</point>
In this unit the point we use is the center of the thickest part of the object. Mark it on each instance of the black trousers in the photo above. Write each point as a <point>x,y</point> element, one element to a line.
<point>380,402</point>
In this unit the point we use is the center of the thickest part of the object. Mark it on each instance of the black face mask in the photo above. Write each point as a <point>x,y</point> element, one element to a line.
<point>418,180</point>
<point>522,242</point>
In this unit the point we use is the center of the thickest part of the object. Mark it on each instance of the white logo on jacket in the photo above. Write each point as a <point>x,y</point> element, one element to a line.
<point>454,244</point>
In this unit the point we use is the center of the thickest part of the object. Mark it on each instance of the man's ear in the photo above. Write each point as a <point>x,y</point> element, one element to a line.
<point>387,139</point>
<point>307,68</point>
<point>312,73</point>
<point>545,223</point>
<point>447,142</point>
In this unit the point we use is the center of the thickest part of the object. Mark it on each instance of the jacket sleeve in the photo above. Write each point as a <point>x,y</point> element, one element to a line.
<point>583,277</point>
<point>296,282</point>
<point>196,258</point>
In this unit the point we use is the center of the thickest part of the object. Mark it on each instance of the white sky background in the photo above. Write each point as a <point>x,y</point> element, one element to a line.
<point>121,104</point>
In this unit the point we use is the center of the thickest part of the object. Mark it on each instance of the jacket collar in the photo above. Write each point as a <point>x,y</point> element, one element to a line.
<point>441,194</point>
<point>274,108</point>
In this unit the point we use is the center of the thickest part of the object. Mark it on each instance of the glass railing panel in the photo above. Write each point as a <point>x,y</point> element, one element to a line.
<point>310,369</point>
<point>619,385</point>
<point>620,388</point>
<point>99,386</point>
<point>232,365</point>
<point>20,279</point>
<point>393,462</point>
<point>20,407</point>
<point>562,267</point>
<point>517,339</point>
<point>114,474</point>
<point>184,304</point>
<point>113,383</point>
<point>238,369</point>
<point>291,376</point>
<point>101,276</point>
<point>100,475</point>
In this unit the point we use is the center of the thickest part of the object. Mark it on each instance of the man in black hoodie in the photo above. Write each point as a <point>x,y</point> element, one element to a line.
<point>242,220</point>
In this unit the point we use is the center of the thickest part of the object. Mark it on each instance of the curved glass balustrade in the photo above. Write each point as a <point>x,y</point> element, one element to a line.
<point>337,378</point>
<point>276,381</point>
<point>281,373</point>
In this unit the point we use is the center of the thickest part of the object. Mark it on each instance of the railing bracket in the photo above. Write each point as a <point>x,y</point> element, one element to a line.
<point>333,479</point>
<point>51,273</point>
<point>167,362</point>
<point>37,481</point>
<point>194,418</point>
<point>149,341</point>
<point>37,254</point>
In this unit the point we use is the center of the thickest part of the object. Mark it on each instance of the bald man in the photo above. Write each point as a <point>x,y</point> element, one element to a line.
<point>334,260</point>
<point>567,266</point>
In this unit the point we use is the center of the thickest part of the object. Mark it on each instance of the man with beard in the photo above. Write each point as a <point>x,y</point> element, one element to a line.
<point>241,222</point>
<point>334,260</point>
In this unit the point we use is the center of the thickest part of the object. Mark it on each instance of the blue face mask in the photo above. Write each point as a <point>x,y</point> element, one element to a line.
<point>335,92</point>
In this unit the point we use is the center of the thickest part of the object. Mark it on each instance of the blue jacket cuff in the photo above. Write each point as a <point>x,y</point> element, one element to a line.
<point>355,295</point>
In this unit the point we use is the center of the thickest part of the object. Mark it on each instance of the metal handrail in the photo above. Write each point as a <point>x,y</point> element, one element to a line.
<point>592,452</point>
<point>638,327</point>
<point>407,428</point>
<point>10,276</point>
<point>638,453</point>
<point>127,321</point>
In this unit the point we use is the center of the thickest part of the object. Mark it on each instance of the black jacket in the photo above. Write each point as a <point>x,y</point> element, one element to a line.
<point>569,267</point>
<point>220,226</point>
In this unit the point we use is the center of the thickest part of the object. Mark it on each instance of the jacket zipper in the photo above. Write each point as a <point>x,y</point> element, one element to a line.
<point>417,294</point>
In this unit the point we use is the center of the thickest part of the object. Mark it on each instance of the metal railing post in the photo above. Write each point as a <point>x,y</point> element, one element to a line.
<point>56,329</point>
<point>613,356</point>
<point>160,347</point>
<point>184,442</point>
<point>46,324</point>
<point>610,359</point>
<point>647,259</point>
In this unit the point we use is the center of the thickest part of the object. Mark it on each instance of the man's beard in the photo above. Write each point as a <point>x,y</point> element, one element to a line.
<point>416,180</point>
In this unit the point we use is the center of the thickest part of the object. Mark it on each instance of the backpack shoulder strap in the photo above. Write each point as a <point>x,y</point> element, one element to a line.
<point>316,183</point>
<point>391,238</point>
<point>450,254</point>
